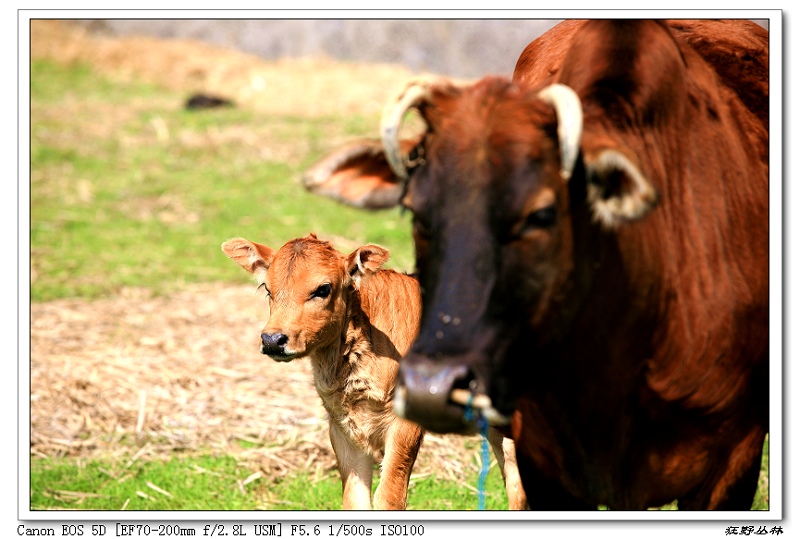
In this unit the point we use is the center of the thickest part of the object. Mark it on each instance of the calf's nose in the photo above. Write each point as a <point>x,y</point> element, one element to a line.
<point>273,343</point>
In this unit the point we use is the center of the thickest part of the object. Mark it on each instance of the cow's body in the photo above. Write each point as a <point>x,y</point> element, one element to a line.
<point>354,321</point>
<point>608,262</point>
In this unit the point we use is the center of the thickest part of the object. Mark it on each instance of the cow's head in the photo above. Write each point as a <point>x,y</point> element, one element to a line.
<point>308,285</point>
<point>501,189</point>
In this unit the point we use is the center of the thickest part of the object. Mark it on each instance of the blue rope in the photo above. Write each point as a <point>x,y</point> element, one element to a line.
<point>483,427</point>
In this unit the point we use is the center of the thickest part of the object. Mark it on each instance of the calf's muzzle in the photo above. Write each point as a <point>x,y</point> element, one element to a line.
<point>273,345</point>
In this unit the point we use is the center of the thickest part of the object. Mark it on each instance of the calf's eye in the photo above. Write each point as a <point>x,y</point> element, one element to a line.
<point>322,291</point>
<point>264,286</point>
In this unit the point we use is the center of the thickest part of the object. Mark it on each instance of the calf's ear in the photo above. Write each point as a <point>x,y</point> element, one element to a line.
<point>357,175</point>
<point>617,190</point>
<point>253,257</point>
<point>365,261</point>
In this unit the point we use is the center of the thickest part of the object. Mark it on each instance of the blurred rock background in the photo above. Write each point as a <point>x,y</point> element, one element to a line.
<point>457,48</point>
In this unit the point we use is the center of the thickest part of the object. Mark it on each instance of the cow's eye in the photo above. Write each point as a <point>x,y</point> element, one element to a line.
<point>322,291</point>
<point>542,218</point>
<point>415,158</point>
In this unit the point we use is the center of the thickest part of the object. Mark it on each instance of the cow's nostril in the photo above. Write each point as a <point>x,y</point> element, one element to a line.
<point>423,393</point>
<point>464,388</point>
<point>466,381</point>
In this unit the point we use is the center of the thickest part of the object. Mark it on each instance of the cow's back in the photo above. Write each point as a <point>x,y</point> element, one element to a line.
<point>737,49</point>
<point>698,263</point>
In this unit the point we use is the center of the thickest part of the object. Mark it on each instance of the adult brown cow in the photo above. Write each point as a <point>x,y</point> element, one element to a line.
<point>592,242</point>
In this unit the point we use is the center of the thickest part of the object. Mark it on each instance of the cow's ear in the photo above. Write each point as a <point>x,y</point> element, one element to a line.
<point>365,261</point>
<point>618,191</point>
<point>358,175</point>
<point>253,257</point>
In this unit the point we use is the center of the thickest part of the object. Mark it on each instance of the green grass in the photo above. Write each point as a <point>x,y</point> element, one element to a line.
<point>761,500</point>
<point>427,493</point>
<point>128,189</point>
<point>215,483</point>
<point>210,483</point>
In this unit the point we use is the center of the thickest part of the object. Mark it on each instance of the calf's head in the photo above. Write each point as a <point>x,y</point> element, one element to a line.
<point>308,285</point>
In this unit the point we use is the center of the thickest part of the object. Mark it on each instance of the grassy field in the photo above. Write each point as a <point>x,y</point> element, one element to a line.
<point>221,483</point>
<point>130,189</point>
<point>131,196</point>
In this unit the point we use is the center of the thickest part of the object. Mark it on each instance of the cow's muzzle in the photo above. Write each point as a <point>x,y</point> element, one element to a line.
<point>442,398</point>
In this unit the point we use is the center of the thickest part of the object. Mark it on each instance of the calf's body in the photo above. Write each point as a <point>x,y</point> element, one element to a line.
<point>354,321</point>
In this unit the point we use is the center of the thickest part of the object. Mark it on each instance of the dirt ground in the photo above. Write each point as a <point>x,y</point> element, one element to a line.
<point>176,374</point>
<point>150,377</point>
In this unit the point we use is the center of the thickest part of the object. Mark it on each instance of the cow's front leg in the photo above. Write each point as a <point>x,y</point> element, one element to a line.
<point>402,445</point>
<point>355,469</point>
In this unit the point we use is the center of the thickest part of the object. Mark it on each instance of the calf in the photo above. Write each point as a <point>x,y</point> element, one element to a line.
<point>354,321</point>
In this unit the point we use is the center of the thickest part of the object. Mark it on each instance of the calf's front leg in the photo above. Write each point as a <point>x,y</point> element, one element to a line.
<point>355,470</point>
<point>402,445</point>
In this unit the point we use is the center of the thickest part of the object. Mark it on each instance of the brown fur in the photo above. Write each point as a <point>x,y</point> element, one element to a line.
<point>628,336</point>
<point>637,362</point>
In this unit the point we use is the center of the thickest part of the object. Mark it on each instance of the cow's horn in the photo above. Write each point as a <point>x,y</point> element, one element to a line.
<point>570,123</point>
<point>415,93</point>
